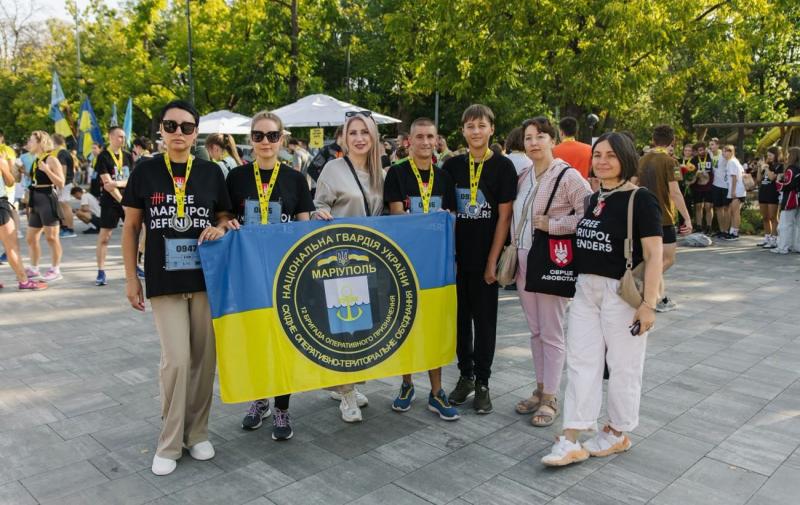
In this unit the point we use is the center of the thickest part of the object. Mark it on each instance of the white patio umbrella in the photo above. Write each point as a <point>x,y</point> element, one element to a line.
<point>224,121</point>
<point>322,110</point>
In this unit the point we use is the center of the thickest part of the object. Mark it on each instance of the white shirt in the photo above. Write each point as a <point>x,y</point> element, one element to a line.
<point>721,173</point>
<point>525,188</point>
<point>733,167</point>
<point>89,200</point>
<point>520,161</point>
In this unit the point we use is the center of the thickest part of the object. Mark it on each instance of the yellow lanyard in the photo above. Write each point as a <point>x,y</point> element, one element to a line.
<point>35,167</point>
<point>180,189</point>
<point>475,177</point>
<point>118,162</point>
<point>265,194</point>
<point>424,193</point>
<point>662,150</point>
<point>568,139</point>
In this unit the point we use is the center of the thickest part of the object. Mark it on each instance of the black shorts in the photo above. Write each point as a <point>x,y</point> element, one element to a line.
<point>720,197</point>
<point>6,211</point>
<point>43,208</point>
<point>702,196</point>
<point>111,215</point>
<point>669,235</point>
<point>768,193</point>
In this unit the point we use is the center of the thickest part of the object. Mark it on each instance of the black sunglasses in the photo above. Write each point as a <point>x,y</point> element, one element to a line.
<point>257,136</point>
<point>353,113</point>
<point>171,126</point>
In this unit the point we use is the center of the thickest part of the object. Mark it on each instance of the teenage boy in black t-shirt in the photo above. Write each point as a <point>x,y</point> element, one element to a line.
<point>113,167</point>
<point>181,201</point>
<point>416,186</point>
<point>486,185</point>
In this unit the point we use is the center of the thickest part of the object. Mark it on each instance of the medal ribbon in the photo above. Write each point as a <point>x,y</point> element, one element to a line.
<point>423,193</point>
<point>118,162</point>
<point>264,195</point>
<point>35,167</point>
<point>475,177</point>
<point>180,190</point>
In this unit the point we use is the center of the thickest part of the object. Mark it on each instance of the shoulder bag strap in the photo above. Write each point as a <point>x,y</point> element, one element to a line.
<point>555,187</point>
<point>629,238</point>
<point>360,187</point>
<point>525,209</point>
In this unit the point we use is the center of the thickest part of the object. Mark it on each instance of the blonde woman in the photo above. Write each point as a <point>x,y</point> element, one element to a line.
<point>222,150</point>
<point>47,176</point>
<point>352,186</point>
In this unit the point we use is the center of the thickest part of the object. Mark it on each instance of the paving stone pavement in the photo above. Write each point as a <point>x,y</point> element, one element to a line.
<point>720,412</point>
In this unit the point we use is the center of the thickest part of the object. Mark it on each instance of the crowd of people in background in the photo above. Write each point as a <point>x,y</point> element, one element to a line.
<point>598,215</point>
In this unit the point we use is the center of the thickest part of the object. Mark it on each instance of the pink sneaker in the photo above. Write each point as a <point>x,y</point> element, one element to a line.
<point>32,285</point>
<point>52,274</point>
<point>33,273</point>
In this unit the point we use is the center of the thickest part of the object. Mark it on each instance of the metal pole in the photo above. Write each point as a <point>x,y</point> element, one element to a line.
<point>348,68</point>
<point>191,64</point>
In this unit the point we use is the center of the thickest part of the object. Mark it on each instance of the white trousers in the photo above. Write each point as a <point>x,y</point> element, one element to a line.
<point>598,332</point>
<point>789,230</point>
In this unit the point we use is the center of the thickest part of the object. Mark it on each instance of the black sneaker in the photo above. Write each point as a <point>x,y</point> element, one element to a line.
<point>482,403</point>
<point>281,425</point>
<point>259,409</point>
<point>464,388</point>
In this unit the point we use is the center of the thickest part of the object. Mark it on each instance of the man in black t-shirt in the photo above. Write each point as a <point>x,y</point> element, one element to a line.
<point>486,186</point>
<point>113,168</point>
<point>64,195</point>
<point>181,201</point>
<point>416,186</point>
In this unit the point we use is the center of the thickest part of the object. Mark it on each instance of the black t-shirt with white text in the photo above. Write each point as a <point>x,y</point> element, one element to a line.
<point>290,193</point>
<point>105,165</point>
<point>497,185</point>
<point>65,158</point>
<point>600,240</point>
<point>401,186</point>
<point>151,189</point>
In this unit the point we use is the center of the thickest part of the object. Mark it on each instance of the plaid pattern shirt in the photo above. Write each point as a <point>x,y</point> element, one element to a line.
<point>570,196</point>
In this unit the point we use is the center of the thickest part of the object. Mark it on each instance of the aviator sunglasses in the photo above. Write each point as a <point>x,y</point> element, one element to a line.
<point>171,126</point>
<point>257,136</point>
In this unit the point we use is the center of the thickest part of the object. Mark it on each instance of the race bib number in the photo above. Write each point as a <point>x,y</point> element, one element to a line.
<point>181,254</point>
<point>415,204</point>
<point>252,213</point>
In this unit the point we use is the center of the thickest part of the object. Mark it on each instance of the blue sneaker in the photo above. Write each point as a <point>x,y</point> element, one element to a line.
<point>3,258</point>
<point>139,272</point>
<point>101,278</point>
<point>403,401</point>
<point>440,405</point>
<point>67,233</point>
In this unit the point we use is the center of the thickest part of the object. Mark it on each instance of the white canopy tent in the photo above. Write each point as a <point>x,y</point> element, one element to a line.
<point>224,121</point>
<point>322,110</point>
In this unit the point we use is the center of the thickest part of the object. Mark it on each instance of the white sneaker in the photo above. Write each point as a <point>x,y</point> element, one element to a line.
<point>361,398</point>
<point>163,466</point>
<point>349,407</point>
<point>606,443</point>
<point>779,251</point>
<point>565,453</point>
<point>202,451</point>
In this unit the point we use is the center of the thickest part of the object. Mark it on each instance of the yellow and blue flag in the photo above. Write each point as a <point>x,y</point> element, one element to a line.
<point>56,97</point>
<point>127,122</point>
<point>88,129</point>
<point>306,305</point>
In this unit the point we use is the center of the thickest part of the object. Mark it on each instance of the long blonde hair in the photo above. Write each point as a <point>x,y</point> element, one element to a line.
<point>374,165</point>
<point>226,143</point>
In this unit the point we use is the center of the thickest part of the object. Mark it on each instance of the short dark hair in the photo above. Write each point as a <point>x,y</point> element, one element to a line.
<point>568,125</point>
<point>699,145</point>
<point>625,150</point>
<point>663,135</point>
<point>542,125</point>
<point>75,190</point>
<point>59,139</point>
<point>114,128</point>
<point>183,105</point>
<point>515,140</point>
<point>293,141</point>
<point>477,111</point>
<point>421,121</point>
<point>143,142</point>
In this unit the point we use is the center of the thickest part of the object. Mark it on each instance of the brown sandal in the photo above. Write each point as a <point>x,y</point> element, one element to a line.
<point>549,415</point>
<point>529,405</point>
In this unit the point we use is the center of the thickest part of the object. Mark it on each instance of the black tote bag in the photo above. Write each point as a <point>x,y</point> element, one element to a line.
<point>551,268</point>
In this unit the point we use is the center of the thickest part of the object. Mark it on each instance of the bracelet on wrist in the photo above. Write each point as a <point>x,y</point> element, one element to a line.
<point>649,306</point>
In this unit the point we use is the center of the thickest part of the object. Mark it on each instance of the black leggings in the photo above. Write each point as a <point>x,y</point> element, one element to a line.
<point>282,402</point>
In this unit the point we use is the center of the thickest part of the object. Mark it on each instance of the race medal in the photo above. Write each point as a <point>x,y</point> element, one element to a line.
<point>472,209</point>
<point>265,190</point>
<point>179,185</point>
<point>598,209</point>
<point>180,224</point>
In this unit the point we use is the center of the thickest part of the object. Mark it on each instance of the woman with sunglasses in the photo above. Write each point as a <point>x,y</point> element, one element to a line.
<point>181,201</point>
<point>267,191</point>
<point>352,186</point>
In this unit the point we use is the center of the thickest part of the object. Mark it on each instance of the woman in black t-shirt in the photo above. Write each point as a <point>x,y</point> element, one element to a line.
<point>768,196</point>
<point>284,197</point>
<point>602,327</point>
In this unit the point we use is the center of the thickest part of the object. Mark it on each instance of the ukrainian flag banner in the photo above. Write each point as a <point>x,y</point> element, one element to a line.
<point>305,305</point>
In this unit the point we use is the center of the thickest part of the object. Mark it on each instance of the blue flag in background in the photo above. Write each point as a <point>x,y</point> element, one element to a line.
<point>88,128</point>
<point>56,97</point>
<point>127,122</point>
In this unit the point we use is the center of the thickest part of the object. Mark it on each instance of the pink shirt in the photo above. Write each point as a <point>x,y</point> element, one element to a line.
<point>570,196</point>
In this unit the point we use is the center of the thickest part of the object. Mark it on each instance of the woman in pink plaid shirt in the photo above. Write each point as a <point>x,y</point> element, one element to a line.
<point>544,312</point>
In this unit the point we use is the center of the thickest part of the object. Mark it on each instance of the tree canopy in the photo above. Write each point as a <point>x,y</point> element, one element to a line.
<point>634,63</point>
